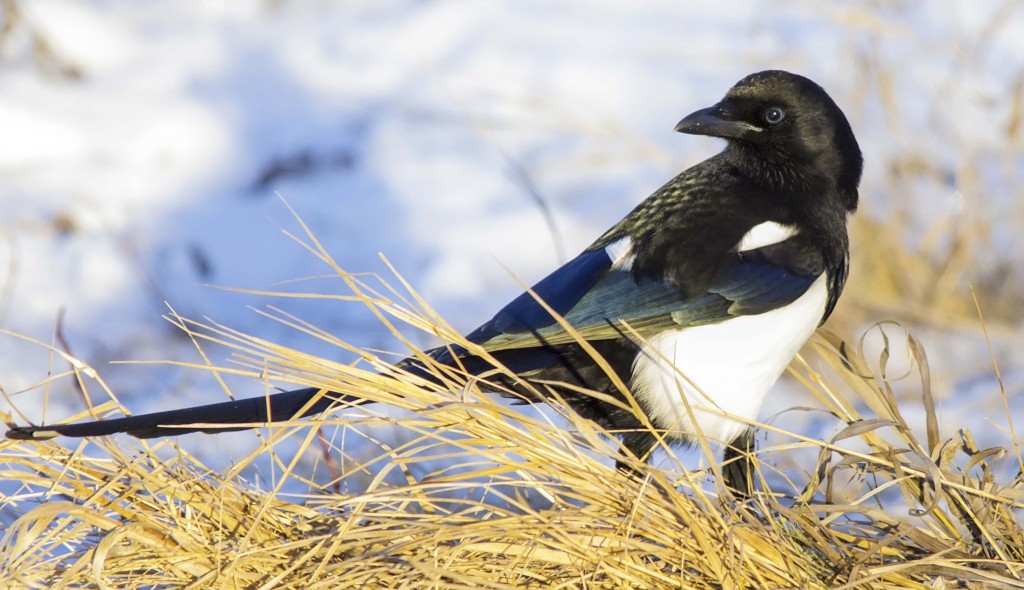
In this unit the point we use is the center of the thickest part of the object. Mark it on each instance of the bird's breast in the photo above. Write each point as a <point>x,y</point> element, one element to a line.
<point>701,377</point>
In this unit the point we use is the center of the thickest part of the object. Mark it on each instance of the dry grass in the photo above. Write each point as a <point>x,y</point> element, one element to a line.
<point>941,201</point>
<point>530,503</point>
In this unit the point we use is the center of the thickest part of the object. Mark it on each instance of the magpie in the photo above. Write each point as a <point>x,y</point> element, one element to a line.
<point>697,300</point>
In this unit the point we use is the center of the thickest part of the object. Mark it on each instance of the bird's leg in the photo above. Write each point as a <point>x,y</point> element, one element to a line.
<point>639,444</point>
<point>738,463</point>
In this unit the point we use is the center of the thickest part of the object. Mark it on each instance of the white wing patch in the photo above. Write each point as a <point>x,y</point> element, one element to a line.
<point>721,370</point>
<point>765,234</point>
<point>621,254</point>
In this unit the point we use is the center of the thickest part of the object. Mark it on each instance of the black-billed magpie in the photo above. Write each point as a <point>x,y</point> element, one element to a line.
<point>698,299</point>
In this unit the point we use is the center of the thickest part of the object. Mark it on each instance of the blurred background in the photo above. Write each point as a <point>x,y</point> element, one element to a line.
<point>145,149</point>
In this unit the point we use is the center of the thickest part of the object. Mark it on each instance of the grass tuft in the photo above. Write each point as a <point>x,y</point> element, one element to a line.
<point>481,496</point>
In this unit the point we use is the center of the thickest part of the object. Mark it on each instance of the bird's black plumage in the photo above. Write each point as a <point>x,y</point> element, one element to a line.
<point>686,260</point>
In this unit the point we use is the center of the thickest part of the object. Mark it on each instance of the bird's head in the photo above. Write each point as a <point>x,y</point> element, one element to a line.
<point>784,122</point>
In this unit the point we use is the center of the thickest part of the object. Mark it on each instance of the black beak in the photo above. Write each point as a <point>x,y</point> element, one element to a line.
<point>716,122</point>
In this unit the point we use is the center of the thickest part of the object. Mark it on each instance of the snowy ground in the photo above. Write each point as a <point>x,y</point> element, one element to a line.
<point>413,129</point>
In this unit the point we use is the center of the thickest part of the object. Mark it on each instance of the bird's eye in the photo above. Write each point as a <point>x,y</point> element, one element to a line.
<point>773,115</point>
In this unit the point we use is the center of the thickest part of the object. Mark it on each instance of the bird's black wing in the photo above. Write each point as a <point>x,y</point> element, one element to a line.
<point>598,299</point>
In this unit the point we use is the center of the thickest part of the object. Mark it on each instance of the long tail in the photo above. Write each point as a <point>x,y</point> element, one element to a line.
<point>278,407</point>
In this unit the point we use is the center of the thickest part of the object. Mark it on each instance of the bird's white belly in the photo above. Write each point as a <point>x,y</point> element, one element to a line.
<point>724,368</point>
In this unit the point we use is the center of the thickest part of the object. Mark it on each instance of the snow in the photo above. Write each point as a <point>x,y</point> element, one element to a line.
<point>405,125</point>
